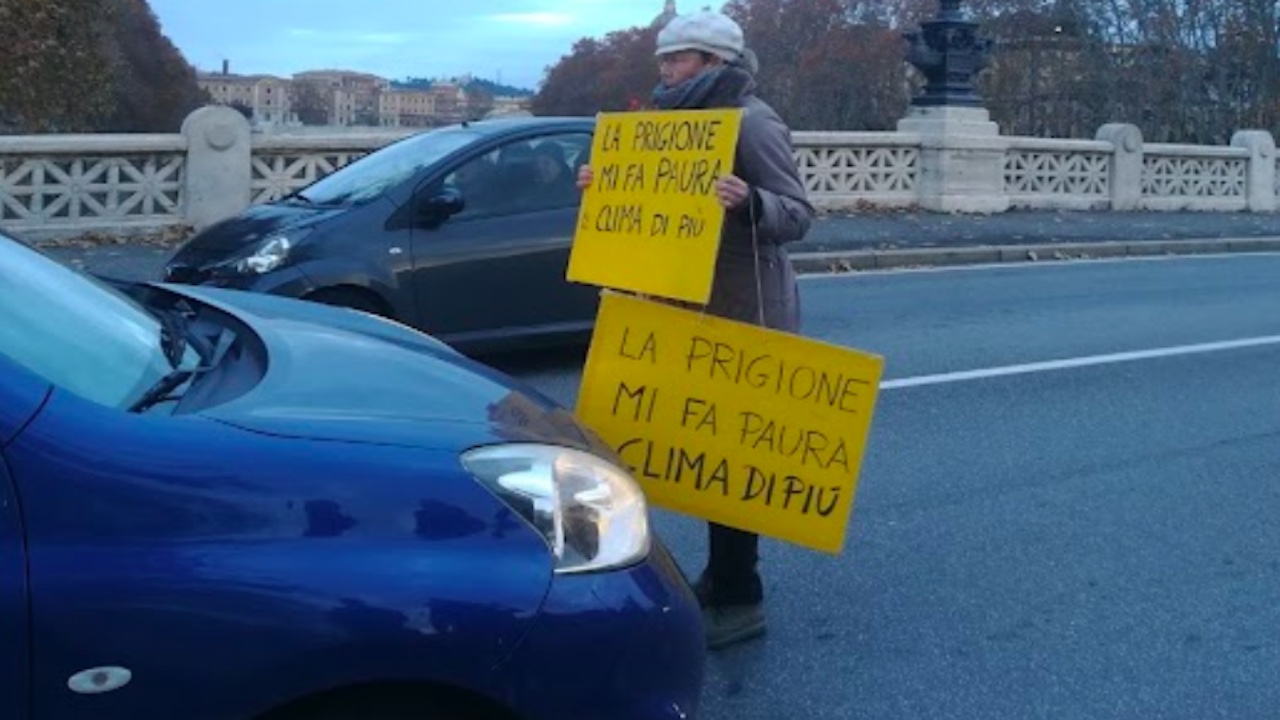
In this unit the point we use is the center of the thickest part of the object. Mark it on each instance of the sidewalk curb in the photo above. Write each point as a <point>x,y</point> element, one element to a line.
<point>842,261</point>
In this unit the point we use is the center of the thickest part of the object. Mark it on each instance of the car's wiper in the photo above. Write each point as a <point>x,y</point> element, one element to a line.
<point>163,388</point>
<point>175,335</point>
<point>160,391</point>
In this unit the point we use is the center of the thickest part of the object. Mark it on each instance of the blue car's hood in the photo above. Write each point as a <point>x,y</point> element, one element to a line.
<point>343,375</point>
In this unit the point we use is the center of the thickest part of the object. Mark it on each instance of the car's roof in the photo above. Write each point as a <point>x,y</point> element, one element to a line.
<point>499,126</point>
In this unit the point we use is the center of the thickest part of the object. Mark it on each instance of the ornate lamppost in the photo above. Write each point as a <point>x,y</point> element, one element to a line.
<point>961,154</point>
<point>949,52</point>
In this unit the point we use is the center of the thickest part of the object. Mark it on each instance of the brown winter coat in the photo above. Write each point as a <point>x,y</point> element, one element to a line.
<point>782,212</point>
<point>782,215</point>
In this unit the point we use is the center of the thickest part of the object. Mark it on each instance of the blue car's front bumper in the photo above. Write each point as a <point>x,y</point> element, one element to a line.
<point>625,645</point>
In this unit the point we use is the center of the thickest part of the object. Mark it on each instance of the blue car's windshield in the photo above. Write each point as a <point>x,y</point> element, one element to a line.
<point>374,174</point>
<point>75,331</point>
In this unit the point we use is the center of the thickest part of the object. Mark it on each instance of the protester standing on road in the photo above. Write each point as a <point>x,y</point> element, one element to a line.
<point>704,64</point>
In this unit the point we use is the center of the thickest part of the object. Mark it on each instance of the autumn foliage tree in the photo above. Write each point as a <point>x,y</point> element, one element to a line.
<point>153,86</point>
<point>90,65</point>
<point>616,73</point>
<point>1182,71</point>
<point>818,67</point>
<point>826,64</point>
<point>52,77</point>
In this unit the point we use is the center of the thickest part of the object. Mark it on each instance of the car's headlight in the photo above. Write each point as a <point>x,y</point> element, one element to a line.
<point>592,514</point>
<point>270,255</point>
<point>266,256</point>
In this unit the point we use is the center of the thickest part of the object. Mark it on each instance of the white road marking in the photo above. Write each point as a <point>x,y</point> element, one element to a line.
<point>1043,264</point>
<point>1067,363</point>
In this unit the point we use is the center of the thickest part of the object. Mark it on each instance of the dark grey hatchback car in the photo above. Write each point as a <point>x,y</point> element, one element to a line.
<point>463,232</point>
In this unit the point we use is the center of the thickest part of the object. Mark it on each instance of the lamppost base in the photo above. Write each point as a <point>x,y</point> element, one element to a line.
<point>961,159</point>
<point>949,120</point>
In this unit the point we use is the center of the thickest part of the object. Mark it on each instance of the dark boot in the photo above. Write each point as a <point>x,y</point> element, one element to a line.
<point>729,624</point>
<point>730,590</point>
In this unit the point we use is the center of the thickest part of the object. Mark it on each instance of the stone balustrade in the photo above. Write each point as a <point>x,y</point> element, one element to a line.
<point>64,185</point>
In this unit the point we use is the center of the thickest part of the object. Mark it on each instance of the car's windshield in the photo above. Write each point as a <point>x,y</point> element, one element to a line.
<point>75,331</point>
<point>374,174</point>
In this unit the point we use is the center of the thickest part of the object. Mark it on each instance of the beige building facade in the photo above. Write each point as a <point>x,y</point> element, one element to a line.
<point>352,97</point>
<point>406,108</point>
<point>347,98</point>
<point>266,97</point>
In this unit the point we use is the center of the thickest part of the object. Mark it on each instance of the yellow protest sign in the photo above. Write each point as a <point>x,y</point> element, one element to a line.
<point>748,427</point>
<point>650,222</point>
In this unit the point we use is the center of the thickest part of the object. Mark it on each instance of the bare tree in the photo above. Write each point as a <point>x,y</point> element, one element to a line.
<point>310,102</point>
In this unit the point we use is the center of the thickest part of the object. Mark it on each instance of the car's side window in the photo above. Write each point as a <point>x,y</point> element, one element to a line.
<point>522,176</point>
<point>477,181</point>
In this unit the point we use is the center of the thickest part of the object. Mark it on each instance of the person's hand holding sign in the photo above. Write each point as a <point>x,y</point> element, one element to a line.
<point>732,191</point>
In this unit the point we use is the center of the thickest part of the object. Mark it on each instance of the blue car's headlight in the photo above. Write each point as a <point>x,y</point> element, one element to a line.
<point>592,514</point>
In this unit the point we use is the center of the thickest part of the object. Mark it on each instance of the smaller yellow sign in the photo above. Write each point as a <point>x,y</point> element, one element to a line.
<point>748,427</point>
<point>651,222</point>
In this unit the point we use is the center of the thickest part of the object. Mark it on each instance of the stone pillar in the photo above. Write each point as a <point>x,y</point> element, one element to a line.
<point>961,159</point>
<point>218,172</point>
<point>1126,164</point>
<point>1261,184</point>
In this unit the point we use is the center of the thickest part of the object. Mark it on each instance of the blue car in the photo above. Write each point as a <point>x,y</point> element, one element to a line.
<point>226,505</point>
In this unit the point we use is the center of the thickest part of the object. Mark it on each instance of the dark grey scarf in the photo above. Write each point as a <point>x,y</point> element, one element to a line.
<point>725,86</point>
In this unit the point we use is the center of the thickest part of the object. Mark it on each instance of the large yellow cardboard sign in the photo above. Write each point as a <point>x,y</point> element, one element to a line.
<point>748,427</point>
<point>650,222</point>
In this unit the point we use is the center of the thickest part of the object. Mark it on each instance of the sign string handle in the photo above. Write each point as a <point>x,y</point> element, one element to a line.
<point>755,254</point>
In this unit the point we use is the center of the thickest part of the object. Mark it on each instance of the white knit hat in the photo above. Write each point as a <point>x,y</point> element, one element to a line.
<point>708,31</point>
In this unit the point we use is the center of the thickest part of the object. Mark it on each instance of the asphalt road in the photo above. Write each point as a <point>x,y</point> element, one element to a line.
<point>1096,541</point>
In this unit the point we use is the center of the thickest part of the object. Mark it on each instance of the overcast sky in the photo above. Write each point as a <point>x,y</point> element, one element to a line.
<point>514,39</point>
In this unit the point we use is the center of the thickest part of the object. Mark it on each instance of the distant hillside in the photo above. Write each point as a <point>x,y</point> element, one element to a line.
<point>487,86</point>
